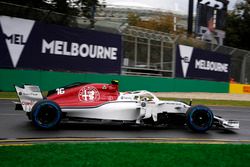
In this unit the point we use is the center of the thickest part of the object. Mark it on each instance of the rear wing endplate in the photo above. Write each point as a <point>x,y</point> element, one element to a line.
<point>28,96</point>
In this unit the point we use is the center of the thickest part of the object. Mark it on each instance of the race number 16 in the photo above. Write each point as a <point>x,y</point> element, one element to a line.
<point>60,91</point>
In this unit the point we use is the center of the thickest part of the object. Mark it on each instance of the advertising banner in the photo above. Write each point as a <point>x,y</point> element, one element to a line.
<point>29,44</point>
<point>196,63</point>
<point>239,88</point>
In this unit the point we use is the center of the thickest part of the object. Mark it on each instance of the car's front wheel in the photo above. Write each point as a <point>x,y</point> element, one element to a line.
<point>46,114</point>
<point>199,118</point>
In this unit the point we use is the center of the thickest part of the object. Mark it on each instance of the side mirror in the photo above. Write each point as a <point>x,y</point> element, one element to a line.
<point>115,82</point>
<point>190,102</point>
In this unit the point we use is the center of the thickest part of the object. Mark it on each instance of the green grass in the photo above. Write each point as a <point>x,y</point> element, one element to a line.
<point>213,102</point>
<point>13,95</point>
<point>126,154</point>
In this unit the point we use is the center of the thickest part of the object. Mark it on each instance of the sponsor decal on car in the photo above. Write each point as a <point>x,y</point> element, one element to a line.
<point>88,93</point>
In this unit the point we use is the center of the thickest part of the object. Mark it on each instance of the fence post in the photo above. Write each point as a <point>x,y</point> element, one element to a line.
<point>243,69</point>
<point>162,54</point>
<point>135,49</point>
<point>174,57</point>
<point>148,54</point>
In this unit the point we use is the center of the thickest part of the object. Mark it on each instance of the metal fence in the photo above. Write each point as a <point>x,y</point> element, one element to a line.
<point>148,52</point>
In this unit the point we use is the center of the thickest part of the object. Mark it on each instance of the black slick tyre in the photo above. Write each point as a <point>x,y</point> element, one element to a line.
<point>199,118</point>
<point>46,114</point>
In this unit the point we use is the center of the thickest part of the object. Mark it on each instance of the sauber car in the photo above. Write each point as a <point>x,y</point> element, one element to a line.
<point>103,102</point>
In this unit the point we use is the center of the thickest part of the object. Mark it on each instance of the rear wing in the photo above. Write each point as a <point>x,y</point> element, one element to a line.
<point>28,96</point>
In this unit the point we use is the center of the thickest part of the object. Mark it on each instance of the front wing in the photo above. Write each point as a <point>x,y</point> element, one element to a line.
<point>227,124</point>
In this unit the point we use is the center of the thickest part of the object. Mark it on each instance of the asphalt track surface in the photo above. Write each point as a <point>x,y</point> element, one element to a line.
<point>15,127</point>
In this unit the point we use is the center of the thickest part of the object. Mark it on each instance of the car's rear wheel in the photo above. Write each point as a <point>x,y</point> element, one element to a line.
<point>46,114</point>
<point>199,118</point>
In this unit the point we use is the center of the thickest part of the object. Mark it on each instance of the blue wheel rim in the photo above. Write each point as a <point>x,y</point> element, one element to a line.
<point>47,115</point>
<point>201,118</point>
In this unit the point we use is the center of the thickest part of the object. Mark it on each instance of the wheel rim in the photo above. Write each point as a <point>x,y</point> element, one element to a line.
<point>201,119</point>
<point>47,115</point>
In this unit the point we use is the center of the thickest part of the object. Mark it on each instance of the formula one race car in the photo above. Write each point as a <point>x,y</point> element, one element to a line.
<point>100,102</point>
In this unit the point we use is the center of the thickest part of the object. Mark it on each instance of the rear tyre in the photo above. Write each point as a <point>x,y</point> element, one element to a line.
<point>199,118</point>
<point>46,114</point>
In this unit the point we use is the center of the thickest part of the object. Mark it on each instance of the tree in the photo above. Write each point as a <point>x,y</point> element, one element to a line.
<point>88,8</point>
<point>237,26</point>
<point>133,19</point>
<point>67,7</point>
<point>162,23</point>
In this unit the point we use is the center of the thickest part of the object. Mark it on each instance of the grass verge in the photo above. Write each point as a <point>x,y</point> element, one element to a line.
<point>214,102</point>
<point>12,95</point>
<point>8,95</point>
<point>125,154</point>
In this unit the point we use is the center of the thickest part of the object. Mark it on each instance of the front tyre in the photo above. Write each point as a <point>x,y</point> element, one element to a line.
<point>46,114</point>
<point>199,118</point>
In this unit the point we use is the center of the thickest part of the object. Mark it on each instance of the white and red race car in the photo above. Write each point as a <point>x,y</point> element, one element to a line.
<point>95,101</point>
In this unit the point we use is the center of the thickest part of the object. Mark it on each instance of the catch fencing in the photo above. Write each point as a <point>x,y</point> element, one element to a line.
<point>147,52</point>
